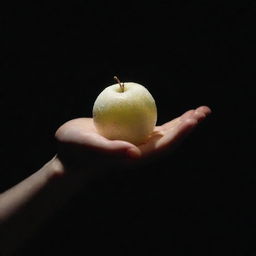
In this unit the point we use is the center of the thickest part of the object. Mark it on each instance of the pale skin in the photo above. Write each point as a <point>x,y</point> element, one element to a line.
<point>25,207</point>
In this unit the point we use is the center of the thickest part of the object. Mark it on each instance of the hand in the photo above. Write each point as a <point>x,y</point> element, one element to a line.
<point>81,145</point>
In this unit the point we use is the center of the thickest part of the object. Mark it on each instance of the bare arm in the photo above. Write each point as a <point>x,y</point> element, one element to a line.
<point>25,207</point>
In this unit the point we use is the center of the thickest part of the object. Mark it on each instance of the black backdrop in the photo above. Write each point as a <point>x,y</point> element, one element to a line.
<point>58,56</point>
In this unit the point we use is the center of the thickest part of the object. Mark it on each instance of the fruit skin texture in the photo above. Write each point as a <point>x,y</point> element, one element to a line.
<point>130,115</point>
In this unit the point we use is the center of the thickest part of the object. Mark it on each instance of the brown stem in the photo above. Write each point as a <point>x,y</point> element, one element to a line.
<point>121,84</point>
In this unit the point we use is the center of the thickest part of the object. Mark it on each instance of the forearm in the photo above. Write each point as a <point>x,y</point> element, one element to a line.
<point>24,207</point>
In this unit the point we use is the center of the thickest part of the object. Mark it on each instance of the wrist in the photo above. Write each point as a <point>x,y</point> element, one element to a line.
<point>55,168</point>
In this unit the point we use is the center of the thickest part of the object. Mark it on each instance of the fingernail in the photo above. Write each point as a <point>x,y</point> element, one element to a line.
<point>133,153</point>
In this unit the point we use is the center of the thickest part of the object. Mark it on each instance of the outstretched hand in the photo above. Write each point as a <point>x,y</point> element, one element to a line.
<point>82,153</point>
<point>79,140</point>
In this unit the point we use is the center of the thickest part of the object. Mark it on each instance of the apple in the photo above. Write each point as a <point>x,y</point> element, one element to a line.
<point>125,111</point>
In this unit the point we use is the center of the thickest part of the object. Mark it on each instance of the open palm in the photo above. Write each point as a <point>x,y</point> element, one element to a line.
<point>81,134</point>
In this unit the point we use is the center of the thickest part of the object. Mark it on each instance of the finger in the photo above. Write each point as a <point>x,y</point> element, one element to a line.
<point>188,121</point>
<point>176,130</point>
<point>174,122</point>
<point>201,113</point>
<point>81,135</point>
<point>204,109</point>
<point>93,141</point>
<point>188,114</point>
<point>99,143</point>
<point>170,137</point>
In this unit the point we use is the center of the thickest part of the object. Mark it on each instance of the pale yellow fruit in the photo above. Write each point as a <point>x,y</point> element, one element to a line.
<point>127,113</point>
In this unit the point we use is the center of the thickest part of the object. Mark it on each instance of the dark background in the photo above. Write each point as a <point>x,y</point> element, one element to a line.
<point>58,56</point>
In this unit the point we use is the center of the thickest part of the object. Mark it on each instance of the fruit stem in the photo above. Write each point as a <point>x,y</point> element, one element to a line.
<point>121,84</point>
